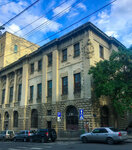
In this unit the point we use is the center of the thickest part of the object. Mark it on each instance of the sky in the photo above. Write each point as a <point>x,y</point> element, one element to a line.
<point>48,17</point>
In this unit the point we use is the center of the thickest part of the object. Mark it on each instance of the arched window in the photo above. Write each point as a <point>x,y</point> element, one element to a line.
<point>34,118</point>
<point>15,117</point>
<point>6,120</point>
<point>104,116</point>
<point>71,118</point>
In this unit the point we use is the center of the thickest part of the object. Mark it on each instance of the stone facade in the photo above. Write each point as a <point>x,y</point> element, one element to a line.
<point>34,112</point>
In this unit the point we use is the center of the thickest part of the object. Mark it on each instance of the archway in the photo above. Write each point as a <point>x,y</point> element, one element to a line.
<point>104,116</point>
<point>34,118</point>
<point>71,118</point>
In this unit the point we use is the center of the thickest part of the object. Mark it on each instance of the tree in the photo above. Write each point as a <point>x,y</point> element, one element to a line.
<point>113,78</point>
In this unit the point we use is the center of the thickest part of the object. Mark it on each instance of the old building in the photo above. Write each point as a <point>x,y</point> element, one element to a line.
<point>51,87</point>
<point>13,47</point>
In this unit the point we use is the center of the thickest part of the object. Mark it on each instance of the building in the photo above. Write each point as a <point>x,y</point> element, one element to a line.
<point>51,87</point>
<point>13,47</point>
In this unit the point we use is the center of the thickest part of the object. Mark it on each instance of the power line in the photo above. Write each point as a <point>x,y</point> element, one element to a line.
<point>74,4</point>
<point>71,6</point>
<point>75,22</point>
<point>20,13</point>
<point>5,4</point>
<point>70,25</point>
<point>40,17</point>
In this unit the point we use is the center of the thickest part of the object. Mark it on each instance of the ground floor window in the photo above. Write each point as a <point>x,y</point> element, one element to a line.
<point>34,118</point>
<point>71,118</point>
<point>15,121</point>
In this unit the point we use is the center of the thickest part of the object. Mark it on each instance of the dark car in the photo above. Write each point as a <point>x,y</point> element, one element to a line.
<point>43,135</point>
<point>23,135</point>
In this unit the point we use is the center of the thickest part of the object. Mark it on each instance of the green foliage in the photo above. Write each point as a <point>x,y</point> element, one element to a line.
<point>113,78</point>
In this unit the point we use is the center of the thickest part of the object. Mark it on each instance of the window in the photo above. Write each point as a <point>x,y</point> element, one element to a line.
<point>64,55</point>
<point>32,68</point>
<point>19,92</point>
<point>48,124</point>
<point>96,131</point>
<point>31,92</point>
<point>15,48</point>
<point>50,59</point>
<point>15,121</point>
<point>3,96</point>
<point>77,83</point>
<point>39,65</point>
<point>64,85</point>
<point>101,51</point>
<point>76,50</point>
<point>39,91</point>
<point>11,94</point>
<point>34,118</point>
<point>50,88</point>
<point>49,112</point>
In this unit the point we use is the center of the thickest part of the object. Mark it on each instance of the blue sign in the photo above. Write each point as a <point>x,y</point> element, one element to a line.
<point>81,117</point>
<point>59,114</point>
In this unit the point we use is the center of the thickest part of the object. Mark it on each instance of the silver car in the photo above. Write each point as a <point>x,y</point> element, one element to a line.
<point>104,134</point>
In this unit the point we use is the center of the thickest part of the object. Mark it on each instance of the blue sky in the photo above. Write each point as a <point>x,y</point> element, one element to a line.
<point>115,20</point>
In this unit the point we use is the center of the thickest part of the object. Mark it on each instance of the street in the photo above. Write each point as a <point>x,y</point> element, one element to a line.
<point>58,145</point>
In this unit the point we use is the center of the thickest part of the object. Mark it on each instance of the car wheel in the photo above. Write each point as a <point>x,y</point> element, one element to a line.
<point>14,140</point>
<point>24,140</point>
<point>31,140</point>
<point>43,140</point>
<point>84,139</point>
<point>110,141</point>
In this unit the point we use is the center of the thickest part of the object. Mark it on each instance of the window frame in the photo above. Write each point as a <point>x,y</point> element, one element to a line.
<point>77,85</point>
<point>49,89</point>
<point>39,91</point>
<point>31,92</point>
<point>65,86</point>
<point>76,50</point>
<point>64,55</point>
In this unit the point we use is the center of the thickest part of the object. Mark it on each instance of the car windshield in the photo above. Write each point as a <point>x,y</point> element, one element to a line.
<point>114,129</point>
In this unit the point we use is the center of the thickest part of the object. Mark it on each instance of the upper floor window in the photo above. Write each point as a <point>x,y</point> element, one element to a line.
<point>39,65</point>
<point>101,51</point>
<point>49,88</point>
<point>64,54</point>
<point>32,68</point>
<point>31,92</point>
<point>19,92</point>
<point>64,85</point>
<point>50,59</point>
<point>49,112</point>
<point>11,94</point>
<point>77,83</point>
<point>15,48</point>
<point>76,49</point>
<point>3,96</point>
<point>39,91</point>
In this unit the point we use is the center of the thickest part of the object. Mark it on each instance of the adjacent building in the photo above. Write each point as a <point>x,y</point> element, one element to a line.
<point>13,47</point>
<point>51,87</point>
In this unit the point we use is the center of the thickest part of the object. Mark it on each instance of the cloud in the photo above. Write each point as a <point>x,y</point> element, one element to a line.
<point>117,21</point>
<point>82,6</point>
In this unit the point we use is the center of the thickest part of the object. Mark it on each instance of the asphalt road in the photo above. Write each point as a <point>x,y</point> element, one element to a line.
<point>62,146</point>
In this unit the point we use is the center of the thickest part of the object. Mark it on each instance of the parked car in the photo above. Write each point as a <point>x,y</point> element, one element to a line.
<point>104,134</point>
<point>43,135</point>
<point>23,135</point>
<point>7,135</point>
